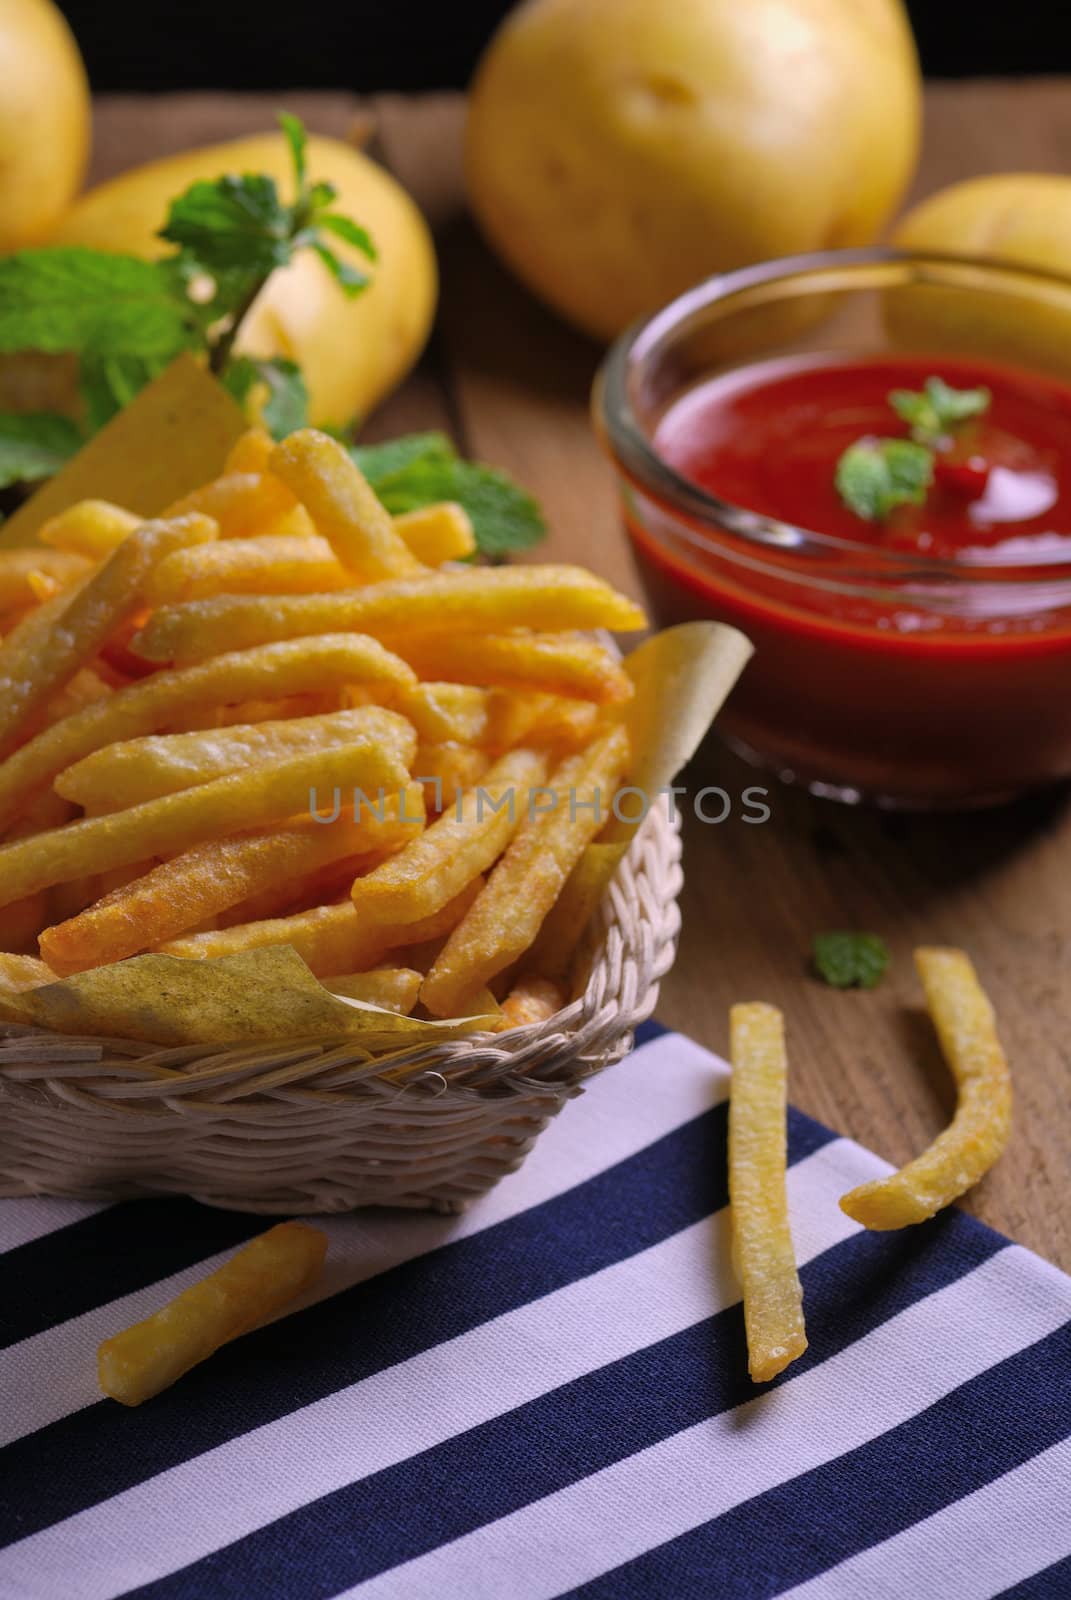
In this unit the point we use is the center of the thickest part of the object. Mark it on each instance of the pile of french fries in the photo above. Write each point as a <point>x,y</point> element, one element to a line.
<point>277,715</point>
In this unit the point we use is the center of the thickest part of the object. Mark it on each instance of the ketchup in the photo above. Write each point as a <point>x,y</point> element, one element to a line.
<point>935,690</point>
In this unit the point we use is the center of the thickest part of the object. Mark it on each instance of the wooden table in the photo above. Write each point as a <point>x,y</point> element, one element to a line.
<point>511,383</point>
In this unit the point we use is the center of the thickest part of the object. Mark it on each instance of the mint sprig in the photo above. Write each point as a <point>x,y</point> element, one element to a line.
<point>874,476</point>
<point>850,960</point>
<point>938,409</point>
<point>35,445</point>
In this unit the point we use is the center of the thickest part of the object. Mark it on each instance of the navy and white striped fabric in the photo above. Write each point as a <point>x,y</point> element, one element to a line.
<point>548,1395</point>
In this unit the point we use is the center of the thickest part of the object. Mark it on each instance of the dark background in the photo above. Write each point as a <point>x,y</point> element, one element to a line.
<point>428,44</point>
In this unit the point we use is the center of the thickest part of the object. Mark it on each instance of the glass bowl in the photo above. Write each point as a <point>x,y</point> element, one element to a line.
<point>879,674</point>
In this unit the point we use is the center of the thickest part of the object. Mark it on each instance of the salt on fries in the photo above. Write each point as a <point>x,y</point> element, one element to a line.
<point>762,1243</point>
<point>253,1286</point>
<point>978,1132</point>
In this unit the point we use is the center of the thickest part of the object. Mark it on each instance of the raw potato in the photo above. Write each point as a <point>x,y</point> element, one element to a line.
<point>618,151</point>
<point>44,121</point>
<point>352,352</point>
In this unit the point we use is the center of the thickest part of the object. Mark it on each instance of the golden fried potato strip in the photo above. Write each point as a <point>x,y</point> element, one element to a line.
<point>762,1243</point>
<point>337,495</point>
<point>553,662</point>
<point>329,939</point>
<point>482,599</point>
<point>977,1134</point>
<point>461,844</point>
<point>392,988</point>
<point>135,770</point>
<point>254,1285</point>
<point>437,533</point>
<point>531,999</point>
<point>250,452</point>
<point>526,882</point>
<point>263,564</point>
<point>23,972</point>
<point>192,887</point>
<point>304,666</point>
<point>446,770</point>
<point>177,821</point>
<point>242,503</point>
<point>17,568</point>
<point>570,915</point>
<point>90,528</point>
<point>33,670</point>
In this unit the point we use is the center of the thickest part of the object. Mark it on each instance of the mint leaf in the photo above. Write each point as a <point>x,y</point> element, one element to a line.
<point>874,476</point>
<point>850,960</point>
<point>352,232</point>
<point>232,222</point>
<point>34,445</point>
<point>350,279</point>
<point>287,405</point>
<point>932,413</point>
<point>298,140</point>
<point>423,468</point>
<point>69,298</point>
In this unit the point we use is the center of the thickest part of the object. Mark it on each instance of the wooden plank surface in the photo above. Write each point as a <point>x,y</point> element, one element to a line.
<point>513,385</point>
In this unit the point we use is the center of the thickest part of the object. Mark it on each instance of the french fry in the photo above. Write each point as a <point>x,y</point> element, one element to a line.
<point>393,988</point>
<point>446,770</point>
<point>177,821</point>
<point>242,503</point>
<point>329,939</point>
<point>84,689</point>
<point>305,666</point>
<point>251,452</point>
<point>137,770</point>
<point>325,479</point>
<point>446,712</point>
<point>481,599</point>
<point>762,1243</point>
<point>434,868</point>
<point>196,885</point>
<point>979,1130</point>
<point>437,533</point>
<point>31,671</point>
<point>18,973</point>
<point>263,564</point>
<point>253,1286</point>
<point>556,663</point>
<point>531,999</point>
<point>524,885</point>
<point>18,567</point>
<point>90,528</point>
<point>519,716</point>
<point>570,915</point>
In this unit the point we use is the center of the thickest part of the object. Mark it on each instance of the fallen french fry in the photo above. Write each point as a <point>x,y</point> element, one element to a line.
<point>194,886</point>
<point>18,567</point>
<point>241,503</point>
<point>480,599</point>
<point>555,663</point>
<point>302,666</point>
<point>261,564</point>
<point>90,528</point>
<point>506,918</point>
<point>762,1243</point>
<point>465,840</point>
<point>531,999</point>
<point>33,670</point>
<point>136,770</point>
<point>177,821</point>
<point>437,533</point>
<point>253,1286</point>
<point>979,1130</point>
<point>345,509</point>
<point>329,939</point>
<point>393,988</point>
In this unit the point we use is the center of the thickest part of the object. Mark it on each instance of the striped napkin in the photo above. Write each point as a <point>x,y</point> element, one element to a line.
<point>548,1395</point>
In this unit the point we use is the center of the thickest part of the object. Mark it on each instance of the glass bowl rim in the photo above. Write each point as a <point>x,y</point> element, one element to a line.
<point>633,452</point>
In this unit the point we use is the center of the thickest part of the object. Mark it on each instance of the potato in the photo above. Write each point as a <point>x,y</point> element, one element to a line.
<point>44,120</point>
<point>620,150</point>
<point>1019,217</point>
<point>351,351</point>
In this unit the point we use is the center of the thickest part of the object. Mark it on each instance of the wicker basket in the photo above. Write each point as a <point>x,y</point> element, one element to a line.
<point>310,1127</point>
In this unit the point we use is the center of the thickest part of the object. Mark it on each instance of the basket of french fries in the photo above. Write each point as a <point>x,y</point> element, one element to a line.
<point>332,864</point>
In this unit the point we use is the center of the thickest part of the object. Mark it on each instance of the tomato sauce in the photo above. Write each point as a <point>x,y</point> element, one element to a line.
<point>938,681</point>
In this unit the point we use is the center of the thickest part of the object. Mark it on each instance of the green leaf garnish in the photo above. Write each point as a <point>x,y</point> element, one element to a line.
<point>932,413</point>
<point>70,298</point>
<point>874,476</point>
<point>850,960</point>
<point>232,222</point>
<point>350,279</point>
<point>298,140</point>
<point>286,407</point>
<point>35,445</point>
<point>422,468</point>
<point>352,232</point>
